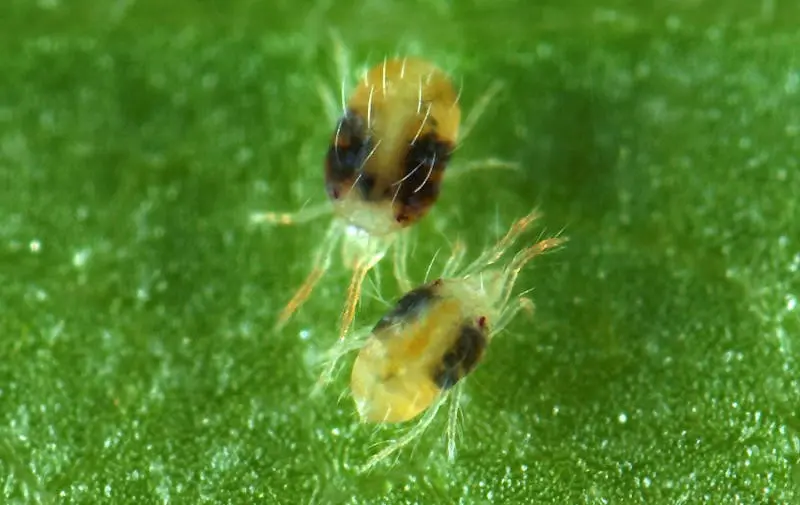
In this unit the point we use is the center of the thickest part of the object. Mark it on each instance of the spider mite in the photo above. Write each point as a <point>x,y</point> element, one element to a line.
<point>434,337</point>
<point>383,171</point>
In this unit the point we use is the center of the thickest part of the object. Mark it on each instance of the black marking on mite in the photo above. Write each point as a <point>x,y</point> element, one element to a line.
<point>461,358</point>
<point>407,308</point>
<point>426,158</point>
<point>365,183</point>
<point>349,150</point>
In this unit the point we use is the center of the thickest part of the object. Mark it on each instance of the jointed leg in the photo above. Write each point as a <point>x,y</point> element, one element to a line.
<point>322,262</point>
<point>334,110</point>
<point>452,421</point>
<point>400,265</point>
<point>407,437</point>
<point>479,108</point>
<point>512,309</point>
<point>334,355</point>
<point>469,123</point>
<point>353,296</point>
<point>495,252</point>
<point>343,67</point>
<point>524,256</point>
<point>290,218</point>
<point>455,259</point>
<point>460,169</point>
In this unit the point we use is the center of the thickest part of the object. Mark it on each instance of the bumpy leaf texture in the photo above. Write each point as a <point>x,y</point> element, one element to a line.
<point>138,361</point>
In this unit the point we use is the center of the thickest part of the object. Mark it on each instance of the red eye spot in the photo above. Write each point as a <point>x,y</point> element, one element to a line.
<point>335,193</point>
<point>482,322</point>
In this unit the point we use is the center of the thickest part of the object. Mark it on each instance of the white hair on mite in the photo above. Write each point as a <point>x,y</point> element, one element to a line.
<point>415,358</point>
<point>390,147</point>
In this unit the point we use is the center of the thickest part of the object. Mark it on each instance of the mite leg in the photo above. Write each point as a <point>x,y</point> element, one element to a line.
<point>361,253</point>
<point>454,261</point>
<point>343,66</point>
<point>407,437</point>
<point>452,421</point>
<point>469,123</point>
<point>353,295</point>
<point>334,110</point>
<point>521,258</point>
<point>460,169</point>
<point>478,109</point>
<point>335,354</point>
<point>400,265</point>
<point>291,218</point>
<point>322,262</point>
<point>494,253</point>
<point>510,312</point>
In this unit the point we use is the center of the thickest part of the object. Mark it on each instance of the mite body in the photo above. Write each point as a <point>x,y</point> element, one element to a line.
<point>431,340</point>
<point>392,146</point>
<point>383,171</point>
<point>436,335</point>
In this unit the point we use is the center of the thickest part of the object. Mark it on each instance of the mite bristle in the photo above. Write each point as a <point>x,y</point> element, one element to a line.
<point>430,266</point>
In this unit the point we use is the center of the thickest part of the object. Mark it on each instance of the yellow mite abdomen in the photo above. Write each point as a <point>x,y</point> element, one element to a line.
<point>425,345</point>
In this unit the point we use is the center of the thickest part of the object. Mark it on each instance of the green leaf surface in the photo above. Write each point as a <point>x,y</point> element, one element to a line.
<point>138,361</point>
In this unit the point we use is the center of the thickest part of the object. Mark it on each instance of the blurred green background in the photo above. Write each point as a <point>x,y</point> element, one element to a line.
<point>138,362</point>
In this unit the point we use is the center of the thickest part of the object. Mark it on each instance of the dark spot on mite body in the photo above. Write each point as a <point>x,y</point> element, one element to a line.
<point>424,166</point>
<point>461,358</point>
<point>349,149</point>
<point>365,183</point>
<point>408,307</point>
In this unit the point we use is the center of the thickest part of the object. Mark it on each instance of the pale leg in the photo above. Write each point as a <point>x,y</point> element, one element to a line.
<point>322,262</point>
<point>407,437</point>
<point>334,111</point>
<point>452,421</point>
<point>495,252</point>
<point>291,218</point>
<point>521,258</point>
<point>454,261</point>
<point>400,265</point>
<point>478,109</point>
<point>459,169</point>
<point>510,312</point>
<point>334,355</point>
<point>353,295</point>
<point>474,115</point>
<point>361,252</point>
